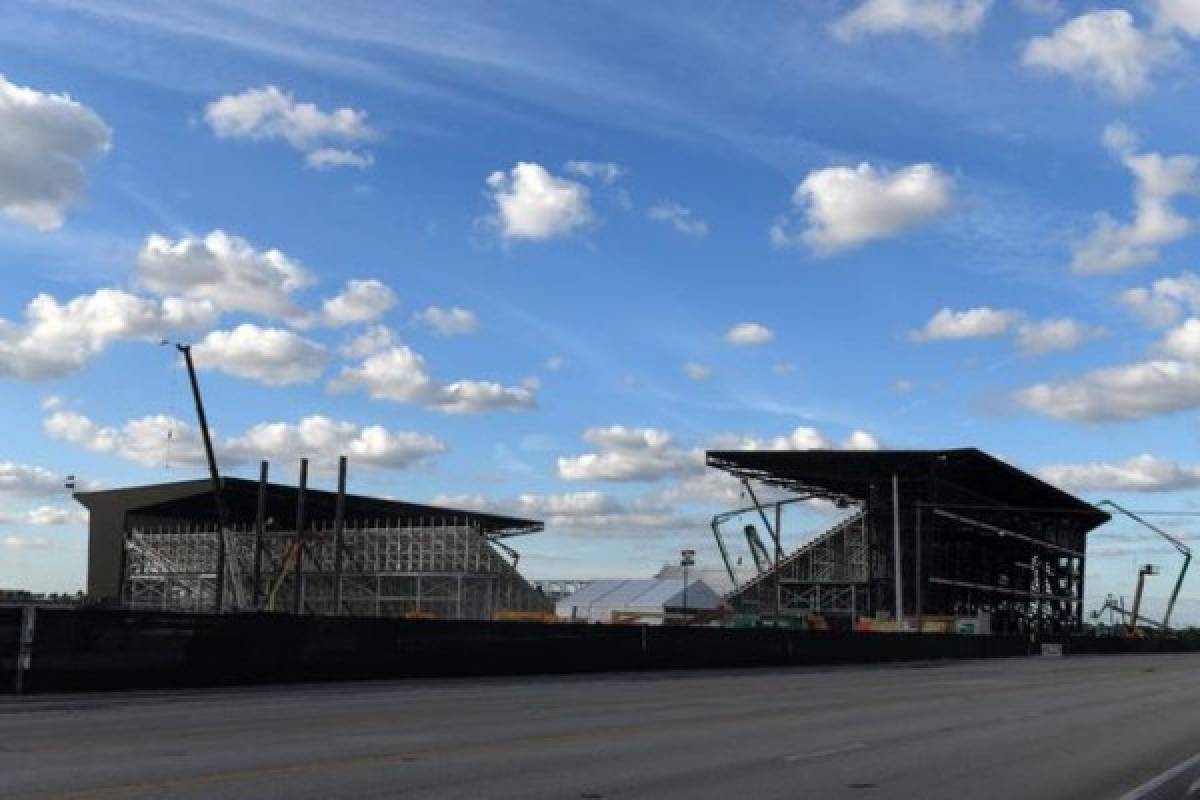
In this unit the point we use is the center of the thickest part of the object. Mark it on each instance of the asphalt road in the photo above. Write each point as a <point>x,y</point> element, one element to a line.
<point>1082,727</point>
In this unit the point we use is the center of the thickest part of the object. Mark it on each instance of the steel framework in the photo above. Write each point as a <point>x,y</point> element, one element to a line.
<point>441,569</point>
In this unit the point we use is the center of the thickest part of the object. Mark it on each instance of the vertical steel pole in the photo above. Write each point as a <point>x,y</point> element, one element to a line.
<point>260,524</point>
<point>917,585</point>
<point>896,547</point>
<point>298,571</point>
<point>214,476</point>
<point>339,527</point>
<point>778,562</point>
<point>761,513</point>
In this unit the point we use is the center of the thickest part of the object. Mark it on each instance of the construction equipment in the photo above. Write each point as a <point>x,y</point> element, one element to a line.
<point>214,476</point>
<point>1183,549</point>
<point>1148,569</point>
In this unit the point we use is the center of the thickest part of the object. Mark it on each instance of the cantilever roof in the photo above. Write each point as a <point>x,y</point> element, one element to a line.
<point>849,473</point>
<point>193,501</point>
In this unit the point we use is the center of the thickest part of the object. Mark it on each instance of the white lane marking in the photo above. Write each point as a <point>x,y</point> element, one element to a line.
<point>833,751</point>
<point>1147,789</point>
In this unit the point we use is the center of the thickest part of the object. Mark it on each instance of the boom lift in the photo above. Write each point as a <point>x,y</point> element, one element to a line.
<point>1183,549</point>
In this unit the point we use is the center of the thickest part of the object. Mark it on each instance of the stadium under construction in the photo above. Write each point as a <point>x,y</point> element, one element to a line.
<point>942,536</point>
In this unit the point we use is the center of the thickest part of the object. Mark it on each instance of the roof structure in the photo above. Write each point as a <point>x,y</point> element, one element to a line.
<point>850,474</point>
<point>192,501</point>
<point>653,594</point>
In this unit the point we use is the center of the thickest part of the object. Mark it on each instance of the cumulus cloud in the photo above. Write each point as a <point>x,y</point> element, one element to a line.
<point>160,439</point>
<point>749,333</point>
<point>57,339</point>
<point>399,374</point>
<point>603,171</point>
<point>1143,473</point>
<point>225,270</point>
<point>448,321</point>
<point>837,208</point>
<point>1050,335</point>
<point>929,18</point>
<point>46,144</point>
<point>630,454</point>
<point>801,438</point>
<point>682,219</point>
<point>697,371</point>
<point>1104,48</point>
<point>531,203</point>
<point>25,480</point>
<point>268,355</point>
<point>1177,16</point>
<point>1126,392</point>
<point>271,114</point>
<point>1164,301</point>
<point>1114,246</point>
<point>970,324</point>
<point>359,302</point>
<point>373,340</point>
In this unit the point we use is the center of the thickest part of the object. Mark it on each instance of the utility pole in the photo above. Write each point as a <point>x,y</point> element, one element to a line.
<point>213,474</point>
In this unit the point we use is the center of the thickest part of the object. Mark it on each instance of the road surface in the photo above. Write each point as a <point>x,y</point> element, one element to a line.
<point>1081,727</point>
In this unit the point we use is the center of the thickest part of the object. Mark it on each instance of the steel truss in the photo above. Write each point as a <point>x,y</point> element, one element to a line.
<point>827,575</point>
<point>446,570</point>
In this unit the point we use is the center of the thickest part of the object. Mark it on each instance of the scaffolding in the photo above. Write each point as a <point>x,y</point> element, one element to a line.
<point>444,569</point>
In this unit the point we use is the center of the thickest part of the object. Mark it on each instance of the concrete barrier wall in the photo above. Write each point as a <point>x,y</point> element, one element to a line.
<point>113,649</point>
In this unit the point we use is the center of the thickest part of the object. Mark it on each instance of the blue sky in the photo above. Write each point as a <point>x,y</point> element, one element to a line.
<point>537,256</point>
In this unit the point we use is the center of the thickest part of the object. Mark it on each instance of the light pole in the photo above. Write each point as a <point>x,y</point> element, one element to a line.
<point>687,559</point>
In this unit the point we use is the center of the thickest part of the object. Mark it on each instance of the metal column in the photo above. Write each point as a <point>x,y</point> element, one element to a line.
<point>339,526</point>
<point>298,570</point>
<point>260,524</point>
<point>896,546</point>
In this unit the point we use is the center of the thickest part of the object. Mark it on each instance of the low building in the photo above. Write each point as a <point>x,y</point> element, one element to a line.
<point>650,601</point>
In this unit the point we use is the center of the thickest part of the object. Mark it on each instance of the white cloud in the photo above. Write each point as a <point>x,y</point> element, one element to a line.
<point>843,207</point>
<point>25,480</point>
<point>224,269</point>
<point>531,203</point>
<point>697,371</point>
<point>1049,335</point>
<point>43,516</point>
<point>153,440</point>
<point>1183,341</point>
<point>801,438</point>
<point>1105,48</point>
<point>448,321</point>
<point>1143,473</point>
<point>682,219</point>
<point>28,543</point>
<point>1182,16</point>
<point>555,363</point>
<point>590,510</point>
<point>399,374</point>
<point>373,340</point>
<point>270,114</point>
<point>969,324</point>
<point>1126,392</point>
<point>603,171</point>
<point>333,157</point>
<point>323,439</point>
<point>268,355</point>
<point>630,454</point>
<point>1114,246</point>
<point>46,141</point>
<point>58,339</point>
<point>904,385</point>
<point>928,18</point>
<point>749,333</point>
<point>159,439</point>
<point>1165,300</point>
<point>783,367</point>
<point>360,301</point>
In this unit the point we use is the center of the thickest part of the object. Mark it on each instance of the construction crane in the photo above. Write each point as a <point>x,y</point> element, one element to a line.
<point>213,474</point>
<point>1183,549</point>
